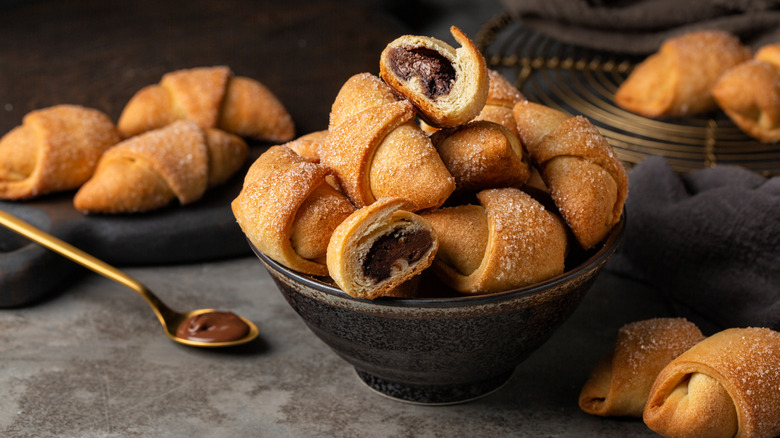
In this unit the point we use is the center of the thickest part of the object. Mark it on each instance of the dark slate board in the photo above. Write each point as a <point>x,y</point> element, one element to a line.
<point>99,53</point>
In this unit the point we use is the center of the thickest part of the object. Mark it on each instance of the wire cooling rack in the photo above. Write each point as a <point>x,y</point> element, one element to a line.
<point>583,81</point>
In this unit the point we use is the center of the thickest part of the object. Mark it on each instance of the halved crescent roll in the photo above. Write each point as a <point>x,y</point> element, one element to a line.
<point>380,247</point>
<point>727,385</point>
<point>449,86</point>
<point>621,381</point>
<point>509,240</point>
<point>288,210</point>
<point>677,80</point>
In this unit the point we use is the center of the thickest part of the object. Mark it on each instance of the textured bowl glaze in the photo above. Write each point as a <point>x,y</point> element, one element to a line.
<point>440,350</point>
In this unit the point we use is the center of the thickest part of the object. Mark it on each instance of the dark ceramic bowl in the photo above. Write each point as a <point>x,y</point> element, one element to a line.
<point>440,350</point>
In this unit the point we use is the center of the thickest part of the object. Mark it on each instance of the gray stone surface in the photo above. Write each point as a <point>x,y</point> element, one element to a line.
<point>93,362</point>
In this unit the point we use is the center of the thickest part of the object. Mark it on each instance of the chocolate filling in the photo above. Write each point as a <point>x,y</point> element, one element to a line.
<point>434,70</point>
<point>213,327</point>
<point>392,247</point>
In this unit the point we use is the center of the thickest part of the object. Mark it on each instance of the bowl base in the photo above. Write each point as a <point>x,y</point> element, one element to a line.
<point>432,395</point>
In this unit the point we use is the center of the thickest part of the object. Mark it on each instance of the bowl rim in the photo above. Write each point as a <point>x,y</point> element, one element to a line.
<point>608,247</point>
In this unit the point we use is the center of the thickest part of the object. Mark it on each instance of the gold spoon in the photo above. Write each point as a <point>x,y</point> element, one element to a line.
<point>169,319</point>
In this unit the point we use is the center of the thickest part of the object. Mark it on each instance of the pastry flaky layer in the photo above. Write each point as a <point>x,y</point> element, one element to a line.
<point>678,79</point>
<point>586,179</point>
<point>449,86</point>
<point>380,247</point>
<point>749,94</point>
<point>148,171</point>
<point>510,240</point>
<point>54,149</point>
<point>288,209</point>
<point>212,97</point>
<point>727,385</point>
<point>620,383</point>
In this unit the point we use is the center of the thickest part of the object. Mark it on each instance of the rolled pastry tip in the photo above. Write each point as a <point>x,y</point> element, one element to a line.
<point>359,93</point>
<point>727,385</point>
<point>769,53</point>
<point>749,94</point>
<point>621,381</point>
<point>510,240</point>
<point>482,155</point>
<point>54,149</point>
<point>288,209</point>
<point>677,80</point>
<point>579,167</point>
<point>501,100</point>
<point>180,161</point>
<point>381,153</point>
<point>449,86</point>
<point>212,97</point>
<point>308,146</point>
<point>380,247</point>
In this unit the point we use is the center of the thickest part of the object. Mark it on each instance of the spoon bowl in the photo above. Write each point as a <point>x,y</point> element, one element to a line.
<point>170,319</point>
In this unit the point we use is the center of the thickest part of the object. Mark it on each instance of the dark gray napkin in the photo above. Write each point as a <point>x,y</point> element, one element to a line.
<point>709,240</point>
<point>640,26</point>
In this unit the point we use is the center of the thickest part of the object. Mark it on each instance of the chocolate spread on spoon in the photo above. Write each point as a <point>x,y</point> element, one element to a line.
<point>213,327</point>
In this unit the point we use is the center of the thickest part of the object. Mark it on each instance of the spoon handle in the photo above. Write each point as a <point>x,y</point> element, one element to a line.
<point>88,261</point>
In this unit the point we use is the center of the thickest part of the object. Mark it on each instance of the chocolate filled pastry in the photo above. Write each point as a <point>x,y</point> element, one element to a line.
<point>727,385</point>
<point>288,209</point>
<point>54,149</point>
<point>214,98</point>
<point>677,80</point>
<point>749,94</point>
<point>377,150</point>
<point>380,247</point>
<point>482,155</point>
<point>510,240</point>
<point>150,170</point>
<point>449,86</point>
<point>586,180</point>
<point>501,100</point>
<point>621,381</point>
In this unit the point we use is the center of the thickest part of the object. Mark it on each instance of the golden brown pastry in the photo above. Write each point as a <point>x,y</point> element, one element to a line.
<point>482,155</point>
<point>449,86</point>
<point>378,151</point>
<point>621,381</point>
<point>380,247</point>
<point>288,209</point>
<point>727,385</point>
<point>308,146</point>
<point>213,98</point>
<point>501,100</point>
<point>586,180</point>
<point>677,80</point>
<point>510,240</point>
<point>54,149</point>
<point>750,95</point>
<point>148,171</point>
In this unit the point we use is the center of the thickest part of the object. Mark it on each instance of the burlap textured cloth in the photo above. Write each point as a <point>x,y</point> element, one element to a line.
<point>639,27</point>
<point>708,240</point>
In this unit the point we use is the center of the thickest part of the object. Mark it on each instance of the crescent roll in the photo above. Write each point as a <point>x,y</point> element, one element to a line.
<point>677,80</point>
<point>377,151</point>
<point>727,385</point>
<point>481,155</point>
<point>510,240</point>
<point>586,180</point>
<point>449,86</point>
<point>308,146</point>
<point>501,100</point>
<point>213,98</point>
<point>54,149</point>
<point>749,94</point>
<point>380,247</point>
<point>150,170</point>
<point>288,209</point>
<point>621,381</point>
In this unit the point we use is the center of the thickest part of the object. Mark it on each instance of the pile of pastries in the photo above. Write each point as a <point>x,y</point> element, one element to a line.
<point>436,162</point>
<point>173,141</point>
<point>684,384</point>
<point>702,71</point>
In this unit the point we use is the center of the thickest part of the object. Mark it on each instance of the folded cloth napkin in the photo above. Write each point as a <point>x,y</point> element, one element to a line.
<point>640,26</point>
<point>709,240</point>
